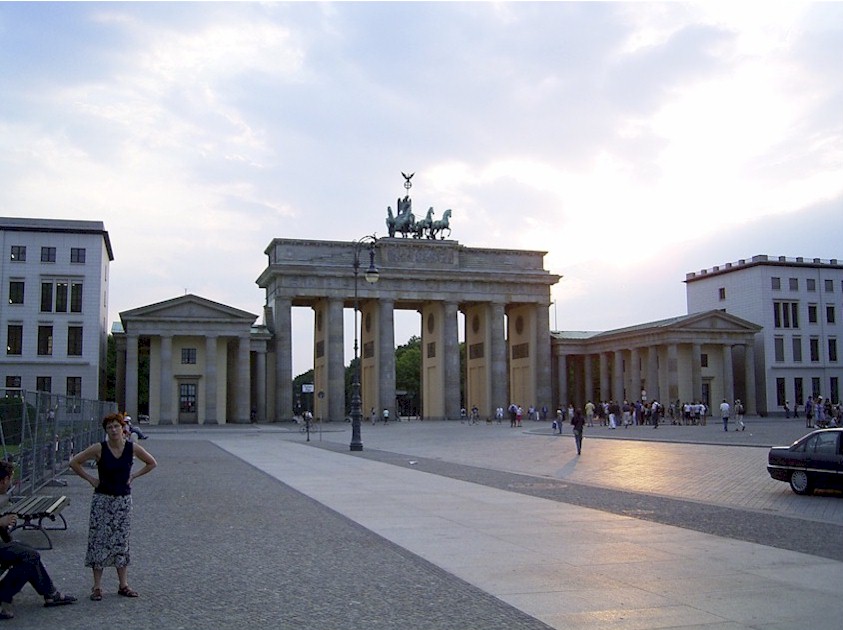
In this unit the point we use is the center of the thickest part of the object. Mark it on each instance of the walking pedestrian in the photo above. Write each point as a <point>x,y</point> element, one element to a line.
<point>578,422</point>
<point>724,413</point>
<point>739,411</point>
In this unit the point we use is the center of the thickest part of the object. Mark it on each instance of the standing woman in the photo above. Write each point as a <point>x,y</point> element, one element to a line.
<point>111,505</point>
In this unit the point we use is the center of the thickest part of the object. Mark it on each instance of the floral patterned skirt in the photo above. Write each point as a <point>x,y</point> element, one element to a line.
<point>108,531</point>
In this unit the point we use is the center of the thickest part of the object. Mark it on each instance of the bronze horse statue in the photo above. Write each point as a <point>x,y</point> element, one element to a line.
<point>440,225</point>
<point>424,224</point>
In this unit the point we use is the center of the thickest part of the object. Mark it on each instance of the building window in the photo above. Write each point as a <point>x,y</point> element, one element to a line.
<point>703,359</point>
<point>829,314</point>
<point>722,293</point>
<point>811,283</point>
<point>19,253</point>
<point>776,283</point>
<point>14,339</point>
<point>778,349</point>
<point>812,313</point>
<point>16,291</point>
<point>74,341</point>
<point>48,254</point>
<point>780,396</point>
<point>188,356</point>
<point>815,387</point>
<point>815,349</point>
<point>61,297</point>
<point>46,297</point>
<point>793,284</point>
<point>13,382</point>
<point>75,297</point>
<point>797,349</point>
<point>44,384</point>
<point>77,254</point>
<point>45,341</point>
<point>829,286</point>
<point>798,392</point>
<point>74,386</point>
<point>187,397</point>
<point>834,393</point>
<point>786,314</point>
<point>832,350</point>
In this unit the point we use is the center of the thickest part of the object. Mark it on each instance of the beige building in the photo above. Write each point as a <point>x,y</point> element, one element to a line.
<point>207,362</point>
<point>705,357</point>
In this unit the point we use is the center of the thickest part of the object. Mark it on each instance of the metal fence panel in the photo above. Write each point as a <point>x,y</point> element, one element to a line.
<point>41,432</point>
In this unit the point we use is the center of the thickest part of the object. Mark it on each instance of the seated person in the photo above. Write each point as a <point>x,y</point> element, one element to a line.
<point>22,561</point>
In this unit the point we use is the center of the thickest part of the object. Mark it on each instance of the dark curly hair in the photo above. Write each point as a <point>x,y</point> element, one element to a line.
<point>113,417</point>
<point>7,469</point>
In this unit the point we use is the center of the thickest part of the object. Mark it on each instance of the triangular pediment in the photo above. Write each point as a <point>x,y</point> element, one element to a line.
<point>188,308</point>
<point>714,320</point>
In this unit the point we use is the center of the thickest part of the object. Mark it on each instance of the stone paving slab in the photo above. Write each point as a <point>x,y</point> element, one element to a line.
<point>568,566</point>
<point>219,544</point>
<point>695,463</point>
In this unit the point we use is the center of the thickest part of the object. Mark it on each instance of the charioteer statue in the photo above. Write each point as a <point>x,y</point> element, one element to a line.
<point>404,222</point>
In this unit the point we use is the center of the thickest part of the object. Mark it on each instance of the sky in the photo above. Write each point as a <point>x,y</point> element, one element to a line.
<point>632,142</point>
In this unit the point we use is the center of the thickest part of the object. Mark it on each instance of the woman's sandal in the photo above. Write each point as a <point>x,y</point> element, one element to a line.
<point>58,599</point>
<point>96,594</point>
<point>126,591</point>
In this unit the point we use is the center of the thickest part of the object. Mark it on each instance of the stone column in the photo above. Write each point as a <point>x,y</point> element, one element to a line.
<point>497,335</point>
<point>336,367</point>
<point>673,374</point>
<point>617,377</point>
<point>283,359</point>
<point>120,378</point>
<point>589,378</point>
<point>696,371</point>
<point>452,362</point>
<point>728,375</point>
<point>543,357</point>
<point>260,385</point>
<point>635,375</point>
<point>166,384</point>
<point>386,357</point>
<point>749,358</point>
<point>131,406</point>
<point>605,393</point>
<point>210,381</point>
<point>562,378</point>
<point>244,386</point>
<point>653,389</point>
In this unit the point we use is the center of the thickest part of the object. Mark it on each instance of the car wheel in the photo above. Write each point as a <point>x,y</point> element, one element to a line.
<point>800,482</point>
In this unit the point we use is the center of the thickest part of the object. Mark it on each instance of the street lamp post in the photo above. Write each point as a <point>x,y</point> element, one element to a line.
<point>372,274</point>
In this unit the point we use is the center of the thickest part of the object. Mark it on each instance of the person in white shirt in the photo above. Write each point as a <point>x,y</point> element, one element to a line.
<point>724,413</point>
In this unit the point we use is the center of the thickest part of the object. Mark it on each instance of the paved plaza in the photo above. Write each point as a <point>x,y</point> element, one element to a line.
<point>450,525</point>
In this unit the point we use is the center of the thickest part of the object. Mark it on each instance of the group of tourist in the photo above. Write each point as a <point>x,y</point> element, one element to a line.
<point>109,524</point>
<point>822,413</point>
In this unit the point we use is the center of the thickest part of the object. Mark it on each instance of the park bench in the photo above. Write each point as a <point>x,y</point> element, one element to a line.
<point>32,512</point>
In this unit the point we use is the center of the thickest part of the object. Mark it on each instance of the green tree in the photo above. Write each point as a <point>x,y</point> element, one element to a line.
<point>408,375</point>
<point>302,402</point>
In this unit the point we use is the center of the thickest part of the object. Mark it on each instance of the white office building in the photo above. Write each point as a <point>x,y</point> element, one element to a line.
<point>798,303</point>
<point>54,307</point>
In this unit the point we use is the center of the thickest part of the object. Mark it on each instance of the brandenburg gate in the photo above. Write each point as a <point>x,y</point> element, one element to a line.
<point>503,295</point>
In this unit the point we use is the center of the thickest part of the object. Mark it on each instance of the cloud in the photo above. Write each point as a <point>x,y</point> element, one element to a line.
<point>631,141</point>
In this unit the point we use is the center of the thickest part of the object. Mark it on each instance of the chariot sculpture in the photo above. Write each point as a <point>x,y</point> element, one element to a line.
<point>403,221</point>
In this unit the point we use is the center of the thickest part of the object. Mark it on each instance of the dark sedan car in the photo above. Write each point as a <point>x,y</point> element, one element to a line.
<point>814,461</point>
